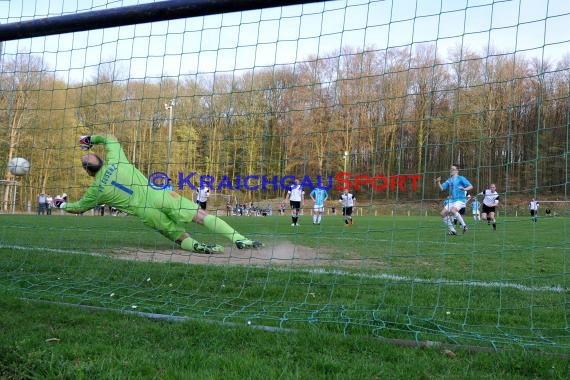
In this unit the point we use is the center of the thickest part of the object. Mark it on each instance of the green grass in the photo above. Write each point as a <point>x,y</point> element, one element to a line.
<point>397,279</point>
<point>46,341</point>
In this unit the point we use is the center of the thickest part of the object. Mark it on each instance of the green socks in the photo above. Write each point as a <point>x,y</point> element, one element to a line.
<point>218,226</point>
<point>188,244</point>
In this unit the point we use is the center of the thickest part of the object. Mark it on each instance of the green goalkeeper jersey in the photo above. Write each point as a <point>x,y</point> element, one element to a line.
<point>121,185</point>
<point>118,183</point>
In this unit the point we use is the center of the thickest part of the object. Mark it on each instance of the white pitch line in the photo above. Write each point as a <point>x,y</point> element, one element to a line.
<point>382,276</point>
<point>482,284</point>
<point>22,248</point>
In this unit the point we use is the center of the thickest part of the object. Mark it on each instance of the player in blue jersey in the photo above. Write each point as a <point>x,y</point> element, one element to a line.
<point>475,204</point>
<point>457,186</point>
<point>319,197</point>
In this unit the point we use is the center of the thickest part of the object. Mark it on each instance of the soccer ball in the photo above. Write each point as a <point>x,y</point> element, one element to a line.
<point>19,166</point>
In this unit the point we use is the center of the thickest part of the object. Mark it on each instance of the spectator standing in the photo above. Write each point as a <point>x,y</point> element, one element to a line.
<point>49,204</point>
<point>42,202</point>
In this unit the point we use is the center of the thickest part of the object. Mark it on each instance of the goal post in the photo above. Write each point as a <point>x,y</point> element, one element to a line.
<point>382,97</point>
<point>9,190</point>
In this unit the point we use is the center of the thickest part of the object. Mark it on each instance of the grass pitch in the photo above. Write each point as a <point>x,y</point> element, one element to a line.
<point>386,279</point>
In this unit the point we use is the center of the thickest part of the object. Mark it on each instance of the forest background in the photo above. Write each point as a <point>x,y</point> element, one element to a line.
<point>502,118</point>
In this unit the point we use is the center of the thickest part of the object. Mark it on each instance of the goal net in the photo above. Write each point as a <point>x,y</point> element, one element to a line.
<point>379,98</point>
<point>9,189</point>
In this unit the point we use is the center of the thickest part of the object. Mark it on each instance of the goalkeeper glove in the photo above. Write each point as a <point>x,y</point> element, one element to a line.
<point>59,203</point>
<point>85,142</point>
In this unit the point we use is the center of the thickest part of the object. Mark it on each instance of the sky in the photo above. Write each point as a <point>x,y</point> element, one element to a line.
<point>245,41</point>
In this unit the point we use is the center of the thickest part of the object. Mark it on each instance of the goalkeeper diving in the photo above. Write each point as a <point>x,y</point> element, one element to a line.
<point>119,184</point>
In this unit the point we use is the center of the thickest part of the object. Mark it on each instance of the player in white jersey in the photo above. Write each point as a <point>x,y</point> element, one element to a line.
<point>490,202</point>
<point>296,197</point>
<point>348,201</point>
<point>533,208</point>
<point>202,195</point>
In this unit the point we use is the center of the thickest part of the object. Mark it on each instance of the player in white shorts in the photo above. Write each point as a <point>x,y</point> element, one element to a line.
<point>319,197</point>
<point>458,187</point>
<point>475,209</point>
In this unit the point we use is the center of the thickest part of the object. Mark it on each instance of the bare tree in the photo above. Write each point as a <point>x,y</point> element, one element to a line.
<point>21,78</point>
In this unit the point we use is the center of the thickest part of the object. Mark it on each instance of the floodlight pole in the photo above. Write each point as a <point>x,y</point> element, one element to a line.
<point>170,107</point>
<point>345,159</point>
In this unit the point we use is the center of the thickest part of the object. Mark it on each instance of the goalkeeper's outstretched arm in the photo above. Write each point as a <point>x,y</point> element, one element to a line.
<point>92,164</point>
<point>114,151</point>
<point>86,203</point>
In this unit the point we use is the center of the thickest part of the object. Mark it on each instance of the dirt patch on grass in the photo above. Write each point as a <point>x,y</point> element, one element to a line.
<point>278,254</point>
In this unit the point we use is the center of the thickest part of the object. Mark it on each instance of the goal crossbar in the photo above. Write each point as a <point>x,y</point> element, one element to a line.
<point>134,14</point>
